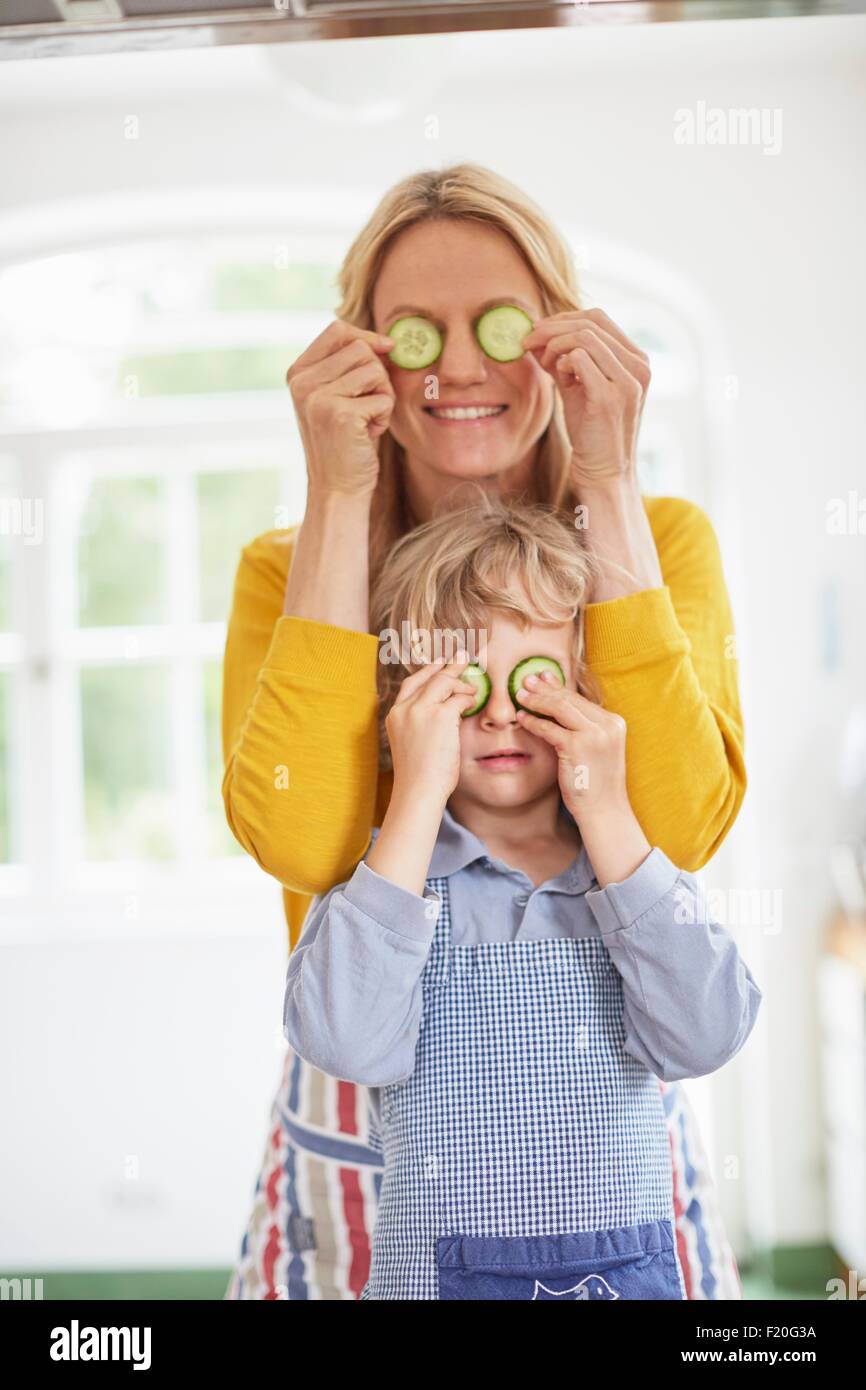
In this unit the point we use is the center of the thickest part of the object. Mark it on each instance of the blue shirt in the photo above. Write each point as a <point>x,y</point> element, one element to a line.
<point>353,985</point>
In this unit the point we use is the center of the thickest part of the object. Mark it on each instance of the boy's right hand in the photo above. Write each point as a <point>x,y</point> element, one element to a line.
<point>423,727</point>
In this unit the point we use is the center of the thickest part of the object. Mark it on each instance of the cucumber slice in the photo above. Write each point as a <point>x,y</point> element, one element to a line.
<point>501,332</point>
<point>531,666</point>
<point>419,343</point>
<point>473,675</point>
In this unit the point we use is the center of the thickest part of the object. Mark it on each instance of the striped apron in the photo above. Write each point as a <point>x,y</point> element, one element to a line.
<point>527,1155</point>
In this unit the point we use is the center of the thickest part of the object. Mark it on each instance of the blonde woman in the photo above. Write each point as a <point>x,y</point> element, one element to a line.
<point>385,447</point>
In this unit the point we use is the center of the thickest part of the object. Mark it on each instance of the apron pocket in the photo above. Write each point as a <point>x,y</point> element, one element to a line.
<point>585,1266</point>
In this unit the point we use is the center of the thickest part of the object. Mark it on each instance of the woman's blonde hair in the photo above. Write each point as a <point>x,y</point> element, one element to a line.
<point>440,583</point>
<point>466,193</point>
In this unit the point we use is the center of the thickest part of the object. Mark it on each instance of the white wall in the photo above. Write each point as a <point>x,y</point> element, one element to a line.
<point>165,1049</point>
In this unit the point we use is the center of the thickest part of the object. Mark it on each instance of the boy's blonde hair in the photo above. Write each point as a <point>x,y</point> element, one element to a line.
<point>445,577</point>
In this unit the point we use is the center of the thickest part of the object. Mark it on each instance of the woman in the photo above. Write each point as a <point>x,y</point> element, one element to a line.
<point>384,449</point>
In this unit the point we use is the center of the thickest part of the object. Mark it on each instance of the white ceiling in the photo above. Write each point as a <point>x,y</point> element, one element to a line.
<point>361,69</point>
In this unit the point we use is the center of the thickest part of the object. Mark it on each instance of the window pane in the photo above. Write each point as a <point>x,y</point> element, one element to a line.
<point>220,840</point>
<point>127,786</point>
<point>120,553</point>
<point>13,510</point>
<point>5,769</point>
<point>212,371</point>
<point>5,584</point>
<point>233,508</point>
<point>253,287</point>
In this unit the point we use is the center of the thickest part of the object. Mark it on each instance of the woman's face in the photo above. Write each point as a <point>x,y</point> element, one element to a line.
<point>450,272</point>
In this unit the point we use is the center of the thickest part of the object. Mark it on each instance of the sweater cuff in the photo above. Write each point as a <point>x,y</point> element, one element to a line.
<point>392,906</point>
<point>621,904</point>
<point>633,625</point>
<point>319,654</point>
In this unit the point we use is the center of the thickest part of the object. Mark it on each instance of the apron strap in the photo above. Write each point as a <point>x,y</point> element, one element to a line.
<point>438,967</point>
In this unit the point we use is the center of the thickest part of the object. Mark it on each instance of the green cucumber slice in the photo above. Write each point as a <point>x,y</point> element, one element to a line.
<point>418,343</point>
<point>501,332</point>
<point>531,666</point>
<point>474,676</point>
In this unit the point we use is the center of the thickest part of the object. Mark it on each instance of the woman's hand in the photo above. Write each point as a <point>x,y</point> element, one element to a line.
<point>603,380</point>
<point>590,745</point>
<point>343,400</point>
<point>423,727</point>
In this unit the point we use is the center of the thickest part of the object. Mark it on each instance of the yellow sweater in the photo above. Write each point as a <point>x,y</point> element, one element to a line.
<point>302,787</point>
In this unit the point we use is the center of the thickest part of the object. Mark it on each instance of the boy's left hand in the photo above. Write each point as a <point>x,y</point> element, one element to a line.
<point>589,741</point>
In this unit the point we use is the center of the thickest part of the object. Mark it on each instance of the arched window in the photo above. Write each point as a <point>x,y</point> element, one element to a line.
<point>144,416</point>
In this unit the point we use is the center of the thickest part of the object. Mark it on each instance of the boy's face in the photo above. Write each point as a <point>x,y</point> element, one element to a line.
<point>501,763</point>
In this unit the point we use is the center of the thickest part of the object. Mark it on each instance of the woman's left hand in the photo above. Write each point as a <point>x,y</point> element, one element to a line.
<point>603,380</point>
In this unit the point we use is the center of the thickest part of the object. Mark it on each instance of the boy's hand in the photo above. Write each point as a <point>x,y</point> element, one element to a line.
<point>590,744</point>
<point>423,727</point>
<point>589,740</point>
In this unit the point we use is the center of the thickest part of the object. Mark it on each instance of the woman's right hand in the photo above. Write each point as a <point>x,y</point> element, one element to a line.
<point>423,727</point>
<point>343,400</point>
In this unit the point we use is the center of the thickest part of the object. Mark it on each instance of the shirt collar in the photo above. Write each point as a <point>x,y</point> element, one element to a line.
<point>456,847</point>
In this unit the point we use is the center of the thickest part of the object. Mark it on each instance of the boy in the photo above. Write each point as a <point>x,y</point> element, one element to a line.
<point>512,964</point>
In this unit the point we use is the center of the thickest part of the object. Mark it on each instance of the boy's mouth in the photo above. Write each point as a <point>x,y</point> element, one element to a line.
<point>504,760</point>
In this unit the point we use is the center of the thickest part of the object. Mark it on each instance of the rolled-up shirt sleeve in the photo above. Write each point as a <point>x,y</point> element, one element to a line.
<point>690,1001</point>
<point>353,997</point>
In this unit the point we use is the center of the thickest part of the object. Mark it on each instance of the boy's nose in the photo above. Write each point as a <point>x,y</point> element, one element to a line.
<point>499,712</point>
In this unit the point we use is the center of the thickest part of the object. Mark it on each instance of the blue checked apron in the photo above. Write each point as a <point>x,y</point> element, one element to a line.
<point>527,1156</point>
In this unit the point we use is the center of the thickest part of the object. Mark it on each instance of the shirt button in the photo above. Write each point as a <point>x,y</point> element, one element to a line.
<point>522,899</point>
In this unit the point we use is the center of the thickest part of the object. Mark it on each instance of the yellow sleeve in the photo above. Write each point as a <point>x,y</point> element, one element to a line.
<point>299,730</point>
<point>665,660</point>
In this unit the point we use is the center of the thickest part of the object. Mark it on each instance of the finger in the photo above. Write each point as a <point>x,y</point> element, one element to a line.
<point>414,682</point>
<point>558,358</point>
<point>552,324</point>
<point>337,335</point>
<point>378,410</point>
<point>437,691</point>
<point>363,379</point>
<point>337,364</point>
<point>443,685</point>
<point>577,365</point>
<point>546,729</point>
<point>599,351</point>
<point>603,320</point>
<point>571,323</point>
<point>561,704</point>
<point>595,712</point>
<point>439,670</point>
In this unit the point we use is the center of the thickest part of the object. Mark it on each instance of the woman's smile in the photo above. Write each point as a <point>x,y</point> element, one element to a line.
<point>464,413</point>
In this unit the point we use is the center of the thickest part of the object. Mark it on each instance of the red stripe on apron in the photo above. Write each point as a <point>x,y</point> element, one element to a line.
<point>682,1248</point>
<point>353,1212</point>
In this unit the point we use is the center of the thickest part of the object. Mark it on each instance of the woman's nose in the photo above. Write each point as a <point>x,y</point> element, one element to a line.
<point>462,359</point>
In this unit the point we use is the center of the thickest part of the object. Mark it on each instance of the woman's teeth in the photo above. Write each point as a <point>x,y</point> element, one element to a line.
<point>465,412</point>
